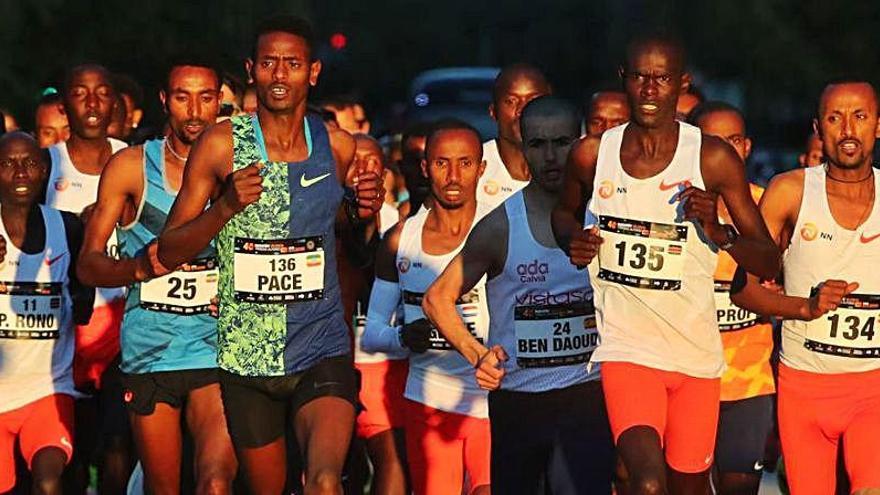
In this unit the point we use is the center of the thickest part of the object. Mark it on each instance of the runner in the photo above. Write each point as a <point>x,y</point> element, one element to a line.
<point>169,341</point>
<point>747,385</point>
<point>548,421</point>
<point>51,121</point>
<point>652,187</point>
<point>826,219</point>
<point>40,303</point>
<point>383,375</point>
<point>447,426</point>
<point>73,186</point>
<point>812,155</point>
<point>607,109</point>
<point>413,151</point>
<point>284,347</point>
<point>506,169</point>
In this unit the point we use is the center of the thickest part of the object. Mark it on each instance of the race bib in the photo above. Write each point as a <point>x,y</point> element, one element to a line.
<point>641,254</point>
<point>187,291</point>
<point>468,307</point>
<point>730,316</point>
<point>30,310</point>
<point>555,335</point>
<point>849,330</point>
<point>279,271</point>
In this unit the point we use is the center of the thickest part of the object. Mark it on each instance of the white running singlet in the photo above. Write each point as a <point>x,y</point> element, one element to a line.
<point>846,340</point>
<point>71,190</point>
<point>496,184</point>
<point>36,330</point>
<point>440,377</point>
<point>653,275</point>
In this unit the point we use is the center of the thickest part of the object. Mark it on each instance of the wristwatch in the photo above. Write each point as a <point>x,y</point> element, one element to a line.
<point>730,237</point>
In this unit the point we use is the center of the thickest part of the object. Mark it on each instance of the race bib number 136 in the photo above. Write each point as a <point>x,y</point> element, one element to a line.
<point>280,270</point>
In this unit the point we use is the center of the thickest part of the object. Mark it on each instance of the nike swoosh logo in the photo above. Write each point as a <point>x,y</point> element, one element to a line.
<point>314,180</point>
<point>665,187</point>
<point>866,240</point>
<point>758,466</point>
<point>50,262</point>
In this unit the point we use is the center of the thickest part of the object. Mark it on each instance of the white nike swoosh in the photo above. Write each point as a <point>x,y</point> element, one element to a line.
<point>314,180</point>
<point>758,466</point>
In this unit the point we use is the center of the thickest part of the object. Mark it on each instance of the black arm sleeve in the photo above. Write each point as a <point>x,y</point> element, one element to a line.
<point>83,296</point>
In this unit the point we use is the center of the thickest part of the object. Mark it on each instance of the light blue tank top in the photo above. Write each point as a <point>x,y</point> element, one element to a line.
<point>167,329</point>
<point>541,312</point>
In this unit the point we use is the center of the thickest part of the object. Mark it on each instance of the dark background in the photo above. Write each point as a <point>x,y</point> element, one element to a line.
<point>770,57</point>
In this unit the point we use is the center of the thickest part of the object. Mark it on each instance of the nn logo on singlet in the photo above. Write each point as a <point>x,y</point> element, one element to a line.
<point>607,189</point>
<point>809,232</point>
<point>492,188</point>
<point>404,264</point>
<point>62,184</point>
<point>533,272</point>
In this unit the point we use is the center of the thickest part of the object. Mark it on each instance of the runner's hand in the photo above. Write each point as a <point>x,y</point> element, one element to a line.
<point>702,207</point>
<point>214,307</point>
<point>243,187</point>
<point>584,246</point>
<point>2,249</point>
<point>490,369</point>
<point>827,297</point>
<point>369,193</point>
<point>148,265</point>
<point>416,336</point>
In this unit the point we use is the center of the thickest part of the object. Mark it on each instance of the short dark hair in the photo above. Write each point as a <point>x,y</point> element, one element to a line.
<point>126,85</point>
<point>418,129</point>
<point>190,60</point>
<point>285,23</point>
<point>845,79</point>
<point>50,99</point>
<point>550,105</point>
<point>451,125</point>
<point>656,36</point>
<point>710,107</point>
<point>76,69</point>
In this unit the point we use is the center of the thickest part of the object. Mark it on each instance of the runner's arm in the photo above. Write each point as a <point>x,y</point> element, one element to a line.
<point>121,180</point>
<point>379,334</point>
<point>577,188</point>
<point>82,296</point>
<point>724,174</point>
<point>190,227</point>
<point>779,207</point>
<point>481,255</point>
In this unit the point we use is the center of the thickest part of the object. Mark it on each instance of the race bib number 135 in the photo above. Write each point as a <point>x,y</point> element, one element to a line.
<point>646,255</point>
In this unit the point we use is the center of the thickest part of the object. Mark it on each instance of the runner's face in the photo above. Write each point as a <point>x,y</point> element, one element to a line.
<point>730,127</point>
<point>89,103</point>
<point>52,125</point>
<point>607,110</point>
<point>813,156</point>
<point>653,81</point>
<point>22,171</point>
<point>509,103</point>
<point>283,71</point>
<point>453,165</point>
<point>546,143</point>
<point>848,124</point>
<point>411,166</point>
<point>192,102</point>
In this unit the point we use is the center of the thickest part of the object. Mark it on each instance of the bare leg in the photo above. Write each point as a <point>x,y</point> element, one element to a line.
<point>323,429</point>
<point>215,464</point>
<point>158,439</point>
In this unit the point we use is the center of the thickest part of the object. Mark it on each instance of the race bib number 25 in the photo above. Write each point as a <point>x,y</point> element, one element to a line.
<point>187,291</point>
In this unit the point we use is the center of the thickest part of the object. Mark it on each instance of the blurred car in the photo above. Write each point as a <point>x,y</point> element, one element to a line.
<point>454,92</point>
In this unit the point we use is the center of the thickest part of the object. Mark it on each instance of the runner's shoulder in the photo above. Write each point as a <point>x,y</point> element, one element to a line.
<point>714,151</point>
<point>342,143</point>
<point>789,182</point>
<point>124,167</point>
<point>391,241</point>
<point>585,152</point>
<point>784,194</point>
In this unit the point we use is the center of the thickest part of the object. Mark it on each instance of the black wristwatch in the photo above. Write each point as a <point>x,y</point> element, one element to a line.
<point>730,237</point>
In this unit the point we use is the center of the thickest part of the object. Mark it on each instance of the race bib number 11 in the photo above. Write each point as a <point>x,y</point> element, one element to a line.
<point>30,310</point>
<point>646,255</point>
<point>279,271</point>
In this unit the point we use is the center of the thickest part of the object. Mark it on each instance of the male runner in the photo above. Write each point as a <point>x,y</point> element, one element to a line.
<point>826,220</point>
<point>73,186</point>
<point>51,125</point>
<point>274,181</point>
<point>412,147</point>
<point>447,426</point>
<point>607,109</point>
<point>506,169</point>
<point>40,301</point>
<point>383,375</point>
<point>652,187</point>
<point>812,155</point>
<point>688,101</point>
<point>548,421</point>
<point>169,341</point>
<point>747,385</point>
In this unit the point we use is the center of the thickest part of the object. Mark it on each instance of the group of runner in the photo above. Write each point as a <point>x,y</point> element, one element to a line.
<point>584,304</point>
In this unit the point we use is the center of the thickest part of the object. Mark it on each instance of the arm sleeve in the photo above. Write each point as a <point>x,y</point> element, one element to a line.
<point>83,296</point>
<point>379,334</point>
